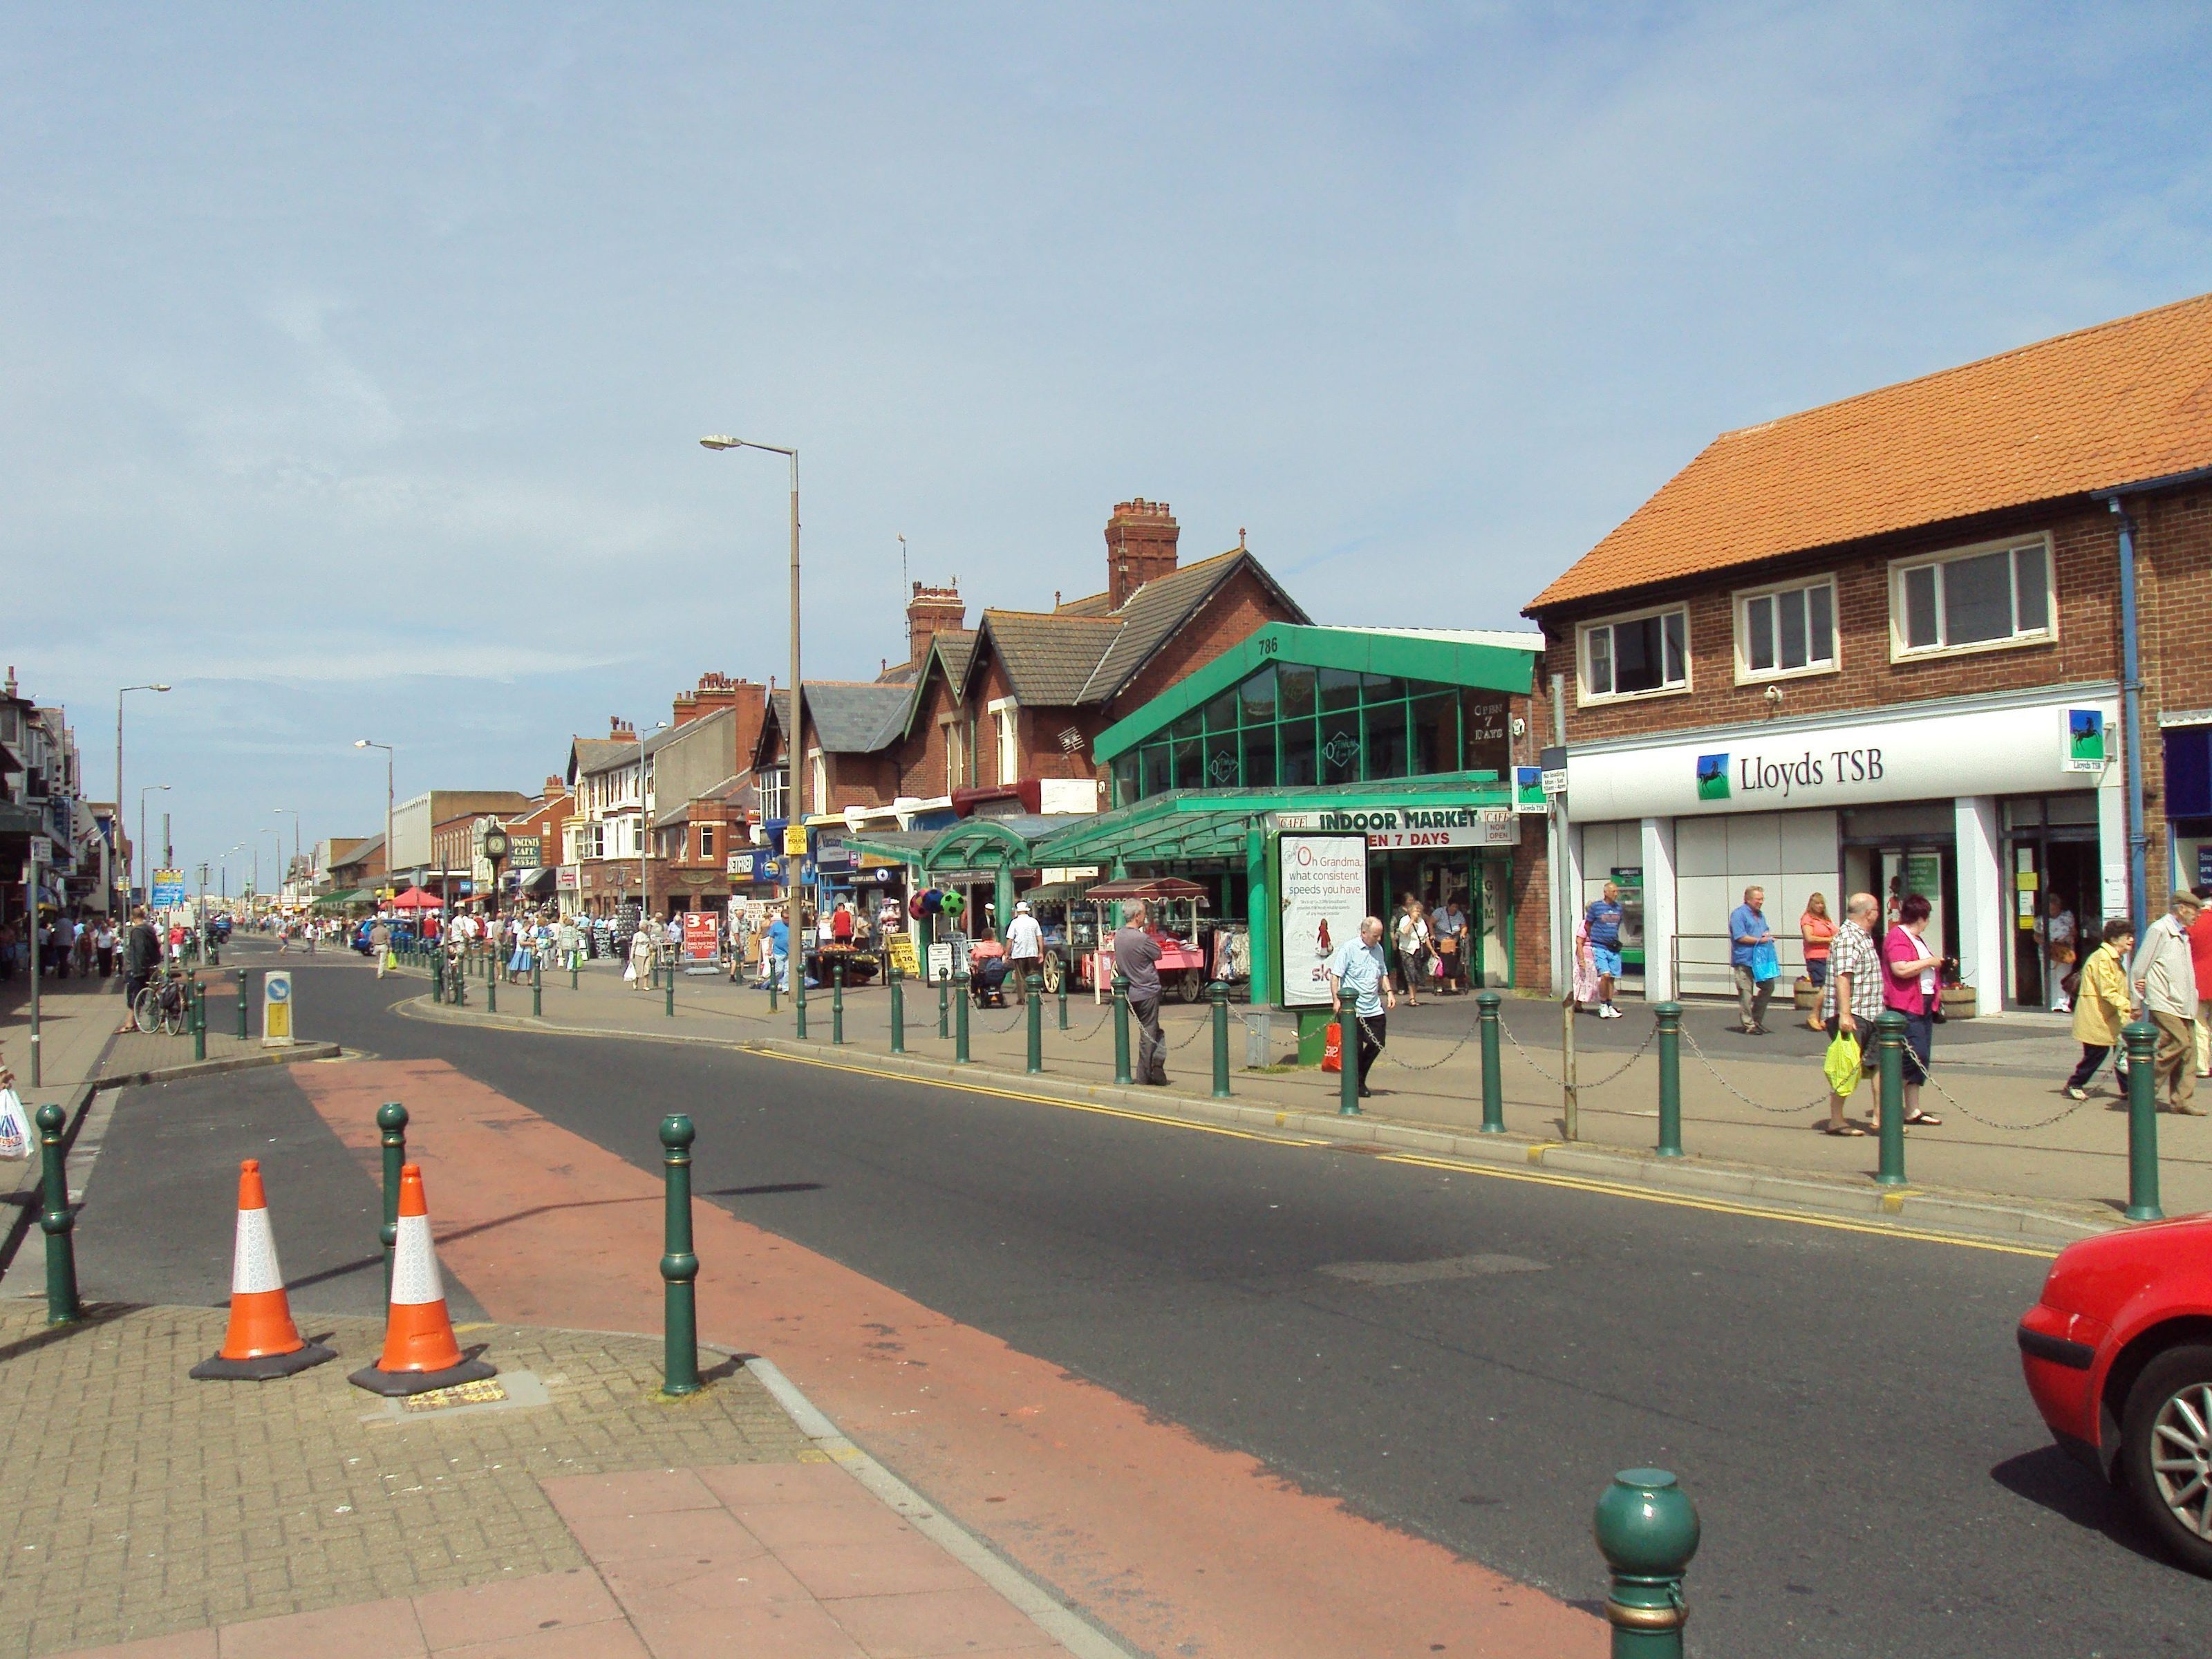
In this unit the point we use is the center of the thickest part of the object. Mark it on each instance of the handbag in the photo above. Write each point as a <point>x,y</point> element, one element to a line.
<point>15,1128</point>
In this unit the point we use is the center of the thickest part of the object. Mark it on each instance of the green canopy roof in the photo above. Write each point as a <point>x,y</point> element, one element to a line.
<point>351,896</point>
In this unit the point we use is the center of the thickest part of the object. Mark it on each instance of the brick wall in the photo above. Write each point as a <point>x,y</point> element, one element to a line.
<point>2173,549</point>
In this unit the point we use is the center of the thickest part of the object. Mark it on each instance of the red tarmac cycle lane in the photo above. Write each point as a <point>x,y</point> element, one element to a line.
<point>1179,1546</point>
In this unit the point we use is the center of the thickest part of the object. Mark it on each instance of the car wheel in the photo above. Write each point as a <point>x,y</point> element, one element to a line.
<point>2165,1451</point>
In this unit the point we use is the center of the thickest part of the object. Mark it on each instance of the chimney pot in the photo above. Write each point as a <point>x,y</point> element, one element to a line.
<point>930,611</point>
<point>1140,548</point>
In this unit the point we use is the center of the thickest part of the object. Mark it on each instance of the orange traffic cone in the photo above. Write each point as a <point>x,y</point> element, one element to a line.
<point>420,1353</point>
<point>262,1342</point>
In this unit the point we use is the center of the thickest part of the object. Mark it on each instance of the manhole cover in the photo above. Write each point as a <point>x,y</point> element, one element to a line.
<point>1423,1273</point>
<point>509,1391</point>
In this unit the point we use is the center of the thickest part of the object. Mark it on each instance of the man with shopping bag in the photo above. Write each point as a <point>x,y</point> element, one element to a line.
<point>1851,1003</point>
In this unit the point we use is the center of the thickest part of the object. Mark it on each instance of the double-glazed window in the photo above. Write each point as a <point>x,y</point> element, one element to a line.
<point>1635,656</point>
<point>1292,724</point>
<point>1972,599</point>
<point>1786,630</point>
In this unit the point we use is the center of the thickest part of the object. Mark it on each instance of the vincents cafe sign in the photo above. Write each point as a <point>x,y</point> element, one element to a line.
<point>1391,828</point>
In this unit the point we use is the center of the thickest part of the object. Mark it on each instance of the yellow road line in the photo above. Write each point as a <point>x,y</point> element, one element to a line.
<point>1538,1176</point>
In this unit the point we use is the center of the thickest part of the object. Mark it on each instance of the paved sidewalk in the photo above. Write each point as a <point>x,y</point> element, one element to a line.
<point>2008,1133</point>
<point>585,1515</point>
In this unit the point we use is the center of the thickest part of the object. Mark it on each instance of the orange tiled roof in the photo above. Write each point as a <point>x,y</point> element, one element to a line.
<point>2114,405</point>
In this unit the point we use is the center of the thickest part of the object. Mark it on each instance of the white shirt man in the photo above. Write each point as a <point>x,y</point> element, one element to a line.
<point>1024,946</point>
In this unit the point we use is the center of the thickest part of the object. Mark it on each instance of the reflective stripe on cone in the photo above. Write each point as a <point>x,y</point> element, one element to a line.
<point>420,1350</point>
<point>261,1342</point>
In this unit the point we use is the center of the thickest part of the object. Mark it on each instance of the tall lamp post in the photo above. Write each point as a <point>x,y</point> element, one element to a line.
<point>144,791</point>
<point>280,811</point>
<point>389,867</point>
<point>278,835</point>
<point>717,440</point>
<point>241,848</point>
<point>117,832</point>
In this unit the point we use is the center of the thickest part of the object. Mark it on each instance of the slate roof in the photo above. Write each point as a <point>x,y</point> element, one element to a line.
<point>856,717</point>
<point>1049,657</point>
<point>2122,403</point>
<point>587,755</point>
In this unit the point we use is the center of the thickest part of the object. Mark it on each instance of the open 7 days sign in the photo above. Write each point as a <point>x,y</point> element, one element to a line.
<point>1391,829</point>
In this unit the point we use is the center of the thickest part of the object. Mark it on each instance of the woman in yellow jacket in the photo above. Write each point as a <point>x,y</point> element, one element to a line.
<point>2102,1003</point>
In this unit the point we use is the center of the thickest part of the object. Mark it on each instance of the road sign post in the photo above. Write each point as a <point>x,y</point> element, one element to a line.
<point>277,1008</point>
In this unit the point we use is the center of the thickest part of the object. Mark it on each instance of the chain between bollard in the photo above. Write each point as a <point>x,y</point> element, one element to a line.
<point>1534,1064</point>
<point>1965,1111</point>
<point>1817,1101</point>
<point>1466,1037</point>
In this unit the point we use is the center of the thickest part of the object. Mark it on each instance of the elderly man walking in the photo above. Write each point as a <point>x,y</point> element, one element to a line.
<point>1358,971</point>
<point>1851,1002</point>
<point>1753,964</point>
<point>1137,957</point>
<point>1025,947</point>
<point>2165,978</point>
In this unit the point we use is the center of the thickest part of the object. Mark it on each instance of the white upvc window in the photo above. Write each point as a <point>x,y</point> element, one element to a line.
<point>772,786</point>
<point>1985,598</point>
<point>1006,726</point>
<point>1784,631</point>
<point>818,766</point>
<point>1641,655</point>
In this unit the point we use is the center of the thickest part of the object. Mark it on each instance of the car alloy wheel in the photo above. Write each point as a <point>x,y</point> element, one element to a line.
<point>2165,1451</point>
<point>2181,1457</point>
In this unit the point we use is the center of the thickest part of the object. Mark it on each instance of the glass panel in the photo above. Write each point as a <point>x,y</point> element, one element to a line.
<point>1820,607</point>
<point>1339,746</point>
<point>1678,650</point>
<point>1792,607</point>
<point>1221,713</point>
<point>1381,688</point>
<point>1189,763</point>
<point>1294,685</point>
<point>1921,628</point>
<point>1601,661</point>
<point>2032,587</point>
<point>1257,694</point>
<point>1386,741</point>
<point>1125,778</point>
<point>1340,688</point>
<point>1758,626</point>
<point>1153,769</point>
<point>1260,754</point>
<point>2023,814</point>
<point>1188,726</point>
<point>1487,719</point>
<point>1435,733</point>
<point>1636,650</point>
<point>2080,807</point>
<point>1221,756</point>
<point>1300,762</point>
<point>1977,599</point>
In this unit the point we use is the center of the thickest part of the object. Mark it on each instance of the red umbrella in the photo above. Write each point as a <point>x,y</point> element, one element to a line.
<point>416,899</point>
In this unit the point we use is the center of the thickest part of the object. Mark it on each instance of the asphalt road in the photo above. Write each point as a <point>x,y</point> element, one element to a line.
<point>1845,1409</point>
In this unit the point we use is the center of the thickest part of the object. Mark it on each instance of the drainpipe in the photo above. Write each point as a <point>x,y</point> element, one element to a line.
<point>2131,719</point>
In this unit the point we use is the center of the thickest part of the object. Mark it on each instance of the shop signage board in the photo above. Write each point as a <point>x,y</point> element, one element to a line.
<point>169,888</point>
<point>1532,790</point>
<point>743,865</point>
<point>1395,829</point>
<point>522,852</point>
<point>900,948</point>
<point>1324,898</point>
<point>940,962</point>
<point>566,878</point>
<point>702,947</point>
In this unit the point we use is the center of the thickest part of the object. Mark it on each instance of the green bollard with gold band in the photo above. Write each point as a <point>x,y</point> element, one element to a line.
<point>56,1220</point>
<point>1487,1003</point>
<point>537,989</point>
<point>944,1006</point>
<point>798,996</point>
<point>491,993</point>
<point>679,1268</point>
<point>1217,994</point>
<point>198,1016</point>
<point>391,1131</point>
<point>1669,1016</point>
<point>2140,1039</point>
<point>1033,996</point>
<point>959,1016</point>
<point>1889,1053</point>
<point>1647,1530</point>
<point>837,1004</point>
<point>898,1010</point>
<point>1121,1028</point>
<point>668,992</point>
<point>1347,1060</point>
<point>1063,998</point>
<point>241,1005</point>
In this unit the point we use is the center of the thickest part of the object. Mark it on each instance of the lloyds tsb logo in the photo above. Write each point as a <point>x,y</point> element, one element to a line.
<point>1712,777</point>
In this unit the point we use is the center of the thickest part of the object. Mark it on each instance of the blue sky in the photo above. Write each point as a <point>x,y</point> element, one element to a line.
<point>352,360</point>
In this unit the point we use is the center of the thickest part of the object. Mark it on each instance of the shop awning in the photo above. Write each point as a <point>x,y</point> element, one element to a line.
<point>533,880</point>
<point>351,896</point>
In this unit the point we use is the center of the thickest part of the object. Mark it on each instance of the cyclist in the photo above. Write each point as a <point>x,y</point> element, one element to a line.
<point>142,954</point>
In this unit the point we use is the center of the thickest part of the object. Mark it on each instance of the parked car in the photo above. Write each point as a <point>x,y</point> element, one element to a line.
<point>403,933</point>
<point>2117,1353</point>
<point>220,928</point>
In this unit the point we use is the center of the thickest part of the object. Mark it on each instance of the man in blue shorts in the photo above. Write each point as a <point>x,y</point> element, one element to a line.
<point>1603,920</point>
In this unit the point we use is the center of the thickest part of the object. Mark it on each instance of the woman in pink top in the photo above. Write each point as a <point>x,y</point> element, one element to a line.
<point>1910,988</point>
<point>1817,928</point>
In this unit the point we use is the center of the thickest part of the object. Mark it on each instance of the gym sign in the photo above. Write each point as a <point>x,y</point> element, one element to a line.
<point>1394,828</point>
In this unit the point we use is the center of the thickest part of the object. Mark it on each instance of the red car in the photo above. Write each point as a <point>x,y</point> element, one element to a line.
<point>2119,1357</point>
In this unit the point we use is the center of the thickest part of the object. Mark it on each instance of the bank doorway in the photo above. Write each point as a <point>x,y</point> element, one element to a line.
<point>2055,898</point>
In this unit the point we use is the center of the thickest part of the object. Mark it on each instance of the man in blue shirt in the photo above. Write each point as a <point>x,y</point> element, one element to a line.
<point>1358,970</point>
<point>1602,920</point>
<point>1751,954</point>
<point>779,949</point>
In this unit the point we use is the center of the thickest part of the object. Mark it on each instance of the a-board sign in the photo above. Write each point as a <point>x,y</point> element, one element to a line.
<point>900,948</point>
<point>940,962</point>
<point>702,944</point>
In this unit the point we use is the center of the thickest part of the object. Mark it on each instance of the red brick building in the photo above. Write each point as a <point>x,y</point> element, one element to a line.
<point>1878,645</point>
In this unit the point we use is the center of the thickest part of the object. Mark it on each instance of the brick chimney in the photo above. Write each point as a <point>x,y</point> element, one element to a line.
<point>714,691</point>
<point>930,611</point>
<point>555,788</point>
<point>620,730</point>
<point>1140,548</point>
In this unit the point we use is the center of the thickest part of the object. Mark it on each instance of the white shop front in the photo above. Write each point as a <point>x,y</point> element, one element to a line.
<point>1987,805</point>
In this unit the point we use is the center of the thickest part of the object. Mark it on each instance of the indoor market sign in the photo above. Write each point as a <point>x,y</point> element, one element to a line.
<point>1396,827</point>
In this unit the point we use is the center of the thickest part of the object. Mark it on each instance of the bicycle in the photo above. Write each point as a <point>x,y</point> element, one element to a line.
<point>161,1006</point>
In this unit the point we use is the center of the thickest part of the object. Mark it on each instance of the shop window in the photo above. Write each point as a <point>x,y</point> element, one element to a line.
<point>1340,688</point>
<point>1435,733</point>
<point>1971,601</point>
<point>1301,761</point>
<point>1260,756</point>
<point>1381,688</point>
<point>1221,713</point>
<point>1786,630</point>
<point>1257,697</point>
<point>1486,728</point>
<point>1126,789</point>
<point>1296,694</point>
<point>1339,745</point>
<point>1152,776</point>
<point>1187,750</point>
<point>1222,754</point>
<point>1635,656</point>
<point>1385,740</point>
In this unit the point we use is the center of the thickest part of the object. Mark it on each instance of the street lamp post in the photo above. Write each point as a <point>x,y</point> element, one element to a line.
<point>278,835</point>
<point>144,791</point>
<point>280,811</point>
<point>117,832</point>
<point>389,867</point>
<point>794,759</point>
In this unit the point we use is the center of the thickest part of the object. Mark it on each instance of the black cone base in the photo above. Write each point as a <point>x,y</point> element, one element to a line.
<point>266,1369</point>
<point>397,1385</point>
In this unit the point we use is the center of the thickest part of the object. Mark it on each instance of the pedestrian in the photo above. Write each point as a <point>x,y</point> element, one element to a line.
<point>1413,941</point>
<point>2200,954</point>
<point>1753,964</point>
<point>1851,999</point>
<point>1910,985</point>
<point>103,946</point>
<point>2102,1003</point>
<point>142,955</point>
<point>1817,928</point>
<point>779,950</point>
<point>1585,988</point>
<point>1448,924</point>
<point>1024,946</point>
<point>1136,958</point>
<point>2056,929</point>
<point>2165,977</point>
<point>640,956</point>
<point>1357,968</point>
<point>841,924</point>
<point>1603,924</point>
<point>379,942</point>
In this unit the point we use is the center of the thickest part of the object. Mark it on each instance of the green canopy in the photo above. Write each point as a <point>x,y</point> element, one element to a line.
<point>351,896</point>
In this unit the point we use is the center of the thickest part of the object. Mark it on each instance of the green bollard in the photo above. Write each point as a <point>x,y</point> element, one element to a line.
<point>668,990</point>
<point>1669,1016</point>
<point>1122,1073</point>
<point>491,993</point>
<point>799,999</point>
<point>241,1005</point>
<point>1063,998</point>
<point>944,1006</point>
<point>837,1004</point>
<point>774,983</point>
<point>2140,1040</point>
<point>391,1127</point>
<point>198,1014</point>
<point>1033,997</point>
<point>1487,1003</point>
<point>1217,994</point>
<point>679,1268</point>
<point>437,979</point>
<point>1347,1061</point>
<point>537,989</point>
<point>959,1016</point>
<point>898,1012</point>
<point>57,1222</point>
<point>575,965</point>
<point>1647,1530</point>
<point>1889,1049</point>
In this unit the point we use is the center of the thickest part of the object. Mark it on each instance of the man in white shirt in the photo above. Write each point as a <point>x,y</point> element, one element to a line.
<point>2165,978</point>
<point>1358,971</point>
<point>1025,947</point>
